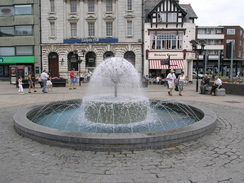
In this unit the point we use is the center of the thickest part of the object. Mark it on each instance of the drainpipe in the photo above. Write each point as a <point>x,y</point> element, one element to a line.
<point>142,38</point>
<point>40,32</point>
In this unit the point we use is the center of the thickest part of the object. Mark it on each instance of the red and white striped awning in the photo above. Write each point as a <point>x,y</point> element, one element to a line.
<point>156,64</point>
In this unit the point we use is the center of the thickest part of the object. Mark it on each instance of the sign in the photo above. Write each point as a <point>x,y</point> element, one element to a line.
<point>164,62</point>
<point>92,40</point>
<point>19,59</point>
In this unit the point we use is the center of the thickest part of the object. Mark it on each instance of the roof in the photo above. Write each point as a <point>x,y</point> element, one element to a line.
<point>150,5</point>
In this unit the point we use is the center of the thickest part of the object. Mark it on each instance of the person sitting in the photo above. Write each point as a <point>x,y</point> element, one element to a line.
<point>216,85</point>
<point>204,84</point>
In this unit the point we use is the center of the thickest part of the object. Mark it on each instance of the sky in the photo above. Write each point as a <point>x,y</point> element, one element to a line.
<point>217,12</point>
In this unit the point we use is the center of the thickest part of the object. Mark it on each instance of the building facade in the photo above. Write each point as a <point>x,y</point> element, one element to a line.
<point>80,34</point>
<point>216,57</point>
<point>19,38</point>
<point>169,28</point>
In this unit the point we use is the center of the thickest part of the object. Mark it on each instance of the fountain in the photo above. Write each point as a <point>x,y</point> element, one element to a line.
<point>114,115</point>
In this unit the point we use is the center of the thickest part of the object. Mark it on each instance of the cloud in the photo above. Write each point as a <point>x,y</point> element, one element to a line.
<point>217,12</point>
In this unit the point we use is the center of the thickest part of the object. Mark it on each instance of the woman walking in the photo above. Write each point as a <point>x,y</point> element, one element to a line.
<point>182,80</point>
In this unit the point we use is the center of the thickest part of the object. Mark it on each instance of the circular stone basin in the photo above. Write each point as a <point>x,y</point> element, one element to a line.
<point>115,110</point>
<point>111,141</point>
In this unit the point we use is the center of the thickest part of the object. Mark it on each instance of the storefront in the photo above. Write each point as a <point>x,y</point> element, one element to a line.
<point>13,67</point>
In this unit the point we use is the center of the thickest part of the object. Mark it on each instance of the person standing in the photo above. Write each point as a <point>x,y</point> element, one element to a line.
<point>44,77</point>
<point>216,85</point>
<point>182,79</point>
<point>72,82</point>
<point>20,84</point>
<point>31,83</point>
<point>204,84</point>
<point>171,79</point>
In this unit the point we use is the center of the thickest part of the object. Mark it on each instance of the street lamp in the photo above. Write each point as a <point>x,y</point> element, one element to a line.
<point>79,61</point>
<point>194,45</point>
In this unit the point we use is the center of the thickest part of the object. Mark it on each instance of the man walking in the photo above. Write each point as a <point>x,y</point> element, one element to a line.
<point>171,81</point>
<point>44,77</point>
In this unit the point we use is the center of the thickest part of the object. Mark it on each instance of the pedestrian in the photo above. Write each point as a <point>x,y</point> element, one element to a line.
<point>171,79</point>
<point>20,84</point>
<point>182,79</point>
<point>44,77</point>
<point>72,79</point>
<point>49,83</point>
<point>39,81</point>
<point>31,83</point>
<point>216,85</point>
<point>204,84</point>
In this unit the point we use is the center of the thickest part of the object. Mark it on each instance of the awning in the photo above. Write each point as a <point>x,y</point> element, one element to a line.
<point>175,64</point>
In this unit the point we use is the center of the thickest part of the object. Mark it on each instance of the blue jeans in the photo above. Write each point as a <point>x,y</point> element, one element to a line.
<point>44,82</point>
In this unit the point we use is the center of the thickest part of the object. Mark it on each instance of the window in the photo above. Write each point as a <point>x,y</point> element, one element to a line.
<point>91,29</point>
<point>23,30</point>
<point>24,50</point>
<point>7,51</point>
<point>91,6</point>
<point>73,6</point>
<point>6,31</point>
<point>6,11</point>
<point>129,28</point>
<point>109,5</point>
<point>52,29</point>
<point>162,17</point>
<point>170,40</point>
<point>231,31</point>
<point>23,9</point>
<point>129,5</point>
<point>52,6</point>
<point>73,27</point>
<point>109,29</point>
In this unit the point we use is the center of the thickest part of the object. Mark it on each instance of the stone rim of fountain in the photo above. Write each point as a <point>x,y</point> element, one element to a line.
<point>114,141</point>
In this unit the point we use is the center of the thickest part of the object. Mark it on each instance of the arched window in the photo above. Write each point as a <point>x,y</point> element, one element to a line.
<point>72,61</point>
<point>108,54</point>
<point>130,56</point>
<point>90,59</point>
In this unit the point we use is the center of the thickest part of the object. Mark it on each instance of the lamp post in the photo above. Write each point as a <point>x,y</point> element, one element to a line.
<point>195,44</point>
<point>79,61</point>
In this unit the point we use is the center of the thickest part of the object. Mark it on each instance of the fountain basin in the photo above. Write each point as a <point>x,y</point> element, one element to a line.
<point>114,141</point>
<point>119,110</point>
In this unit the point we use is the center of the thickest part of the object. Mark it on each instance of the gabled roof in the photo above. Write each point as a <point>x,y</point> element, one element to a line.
<point>162,1</point>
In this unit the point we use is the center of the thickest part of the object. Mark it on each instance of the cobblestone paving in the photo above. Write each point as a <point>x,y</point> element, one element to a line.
<point>214,158</point>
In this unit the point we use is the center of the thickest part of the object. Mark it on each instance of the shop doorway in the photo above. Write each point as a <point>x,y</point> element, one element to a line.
<point>53,64</point>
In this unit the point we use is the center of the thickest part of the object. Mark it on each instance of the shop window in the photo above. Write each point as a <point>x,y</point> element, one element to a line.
<point>72,61</point>
<point>108,54</point>
<point>130,56</point>
<point>90,59</point>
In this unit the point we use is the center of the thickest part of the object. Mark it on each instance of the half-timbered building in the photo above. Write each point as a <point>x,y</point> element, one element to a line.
<point>169,27</point>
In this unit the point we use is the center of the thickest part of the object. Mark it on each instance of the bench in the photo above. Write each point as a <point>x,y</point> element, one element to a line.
<point>220,92</point>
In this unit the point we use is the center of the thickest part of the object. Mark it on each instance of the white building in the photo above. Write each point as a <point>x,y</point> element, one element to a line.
<point>169,28</point>
<point>89,30</point>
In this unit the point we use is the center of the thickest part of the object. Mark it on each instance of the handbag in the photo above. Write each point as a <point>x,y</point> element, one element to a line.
<point>74,79</point>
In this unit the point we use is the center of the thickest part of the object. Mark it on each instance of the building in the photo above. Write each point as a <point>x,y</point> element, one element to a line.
<point>19,38</point>
<point>169,28</point>
<point>216,57</point>
<point>81,34</point>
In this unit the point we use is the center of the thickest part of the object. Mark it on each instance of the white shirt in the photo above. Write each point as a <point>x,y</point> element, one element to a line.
<point>44,76</point>
<point>218,82</point>
<point>172,77</point>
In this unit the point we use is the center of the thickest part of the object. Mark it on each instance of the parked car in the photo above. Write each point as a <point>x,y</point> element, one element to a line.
<point>194,75</point>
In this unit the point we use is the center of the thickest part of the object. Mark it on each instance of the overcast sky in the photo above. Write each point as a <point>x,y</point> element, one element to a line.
<point>217,12</point>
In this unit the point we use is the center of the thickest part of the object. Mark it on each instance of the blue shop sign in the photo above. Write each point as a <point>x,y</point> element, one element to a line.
<point>92,40</point>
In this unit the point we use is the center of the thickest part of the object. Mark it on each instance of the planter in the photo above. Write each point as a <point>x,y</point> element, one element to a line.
<point>233,89</point>
<point>59,82</point>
